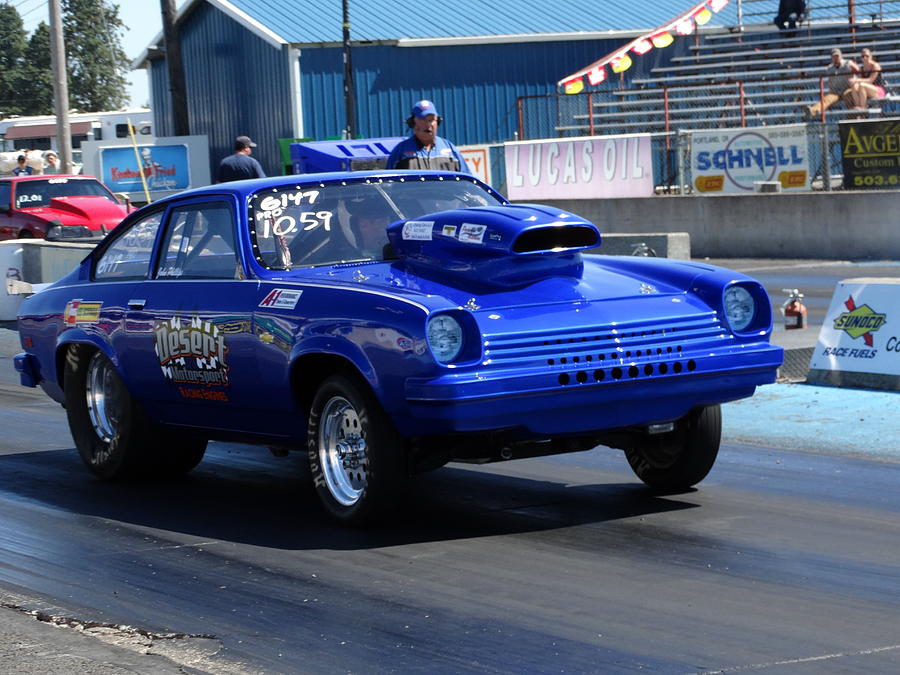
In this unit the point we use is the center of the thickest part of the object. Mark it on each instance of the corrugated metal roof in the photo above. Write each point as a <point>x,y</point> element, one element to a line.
<point>308,21</point>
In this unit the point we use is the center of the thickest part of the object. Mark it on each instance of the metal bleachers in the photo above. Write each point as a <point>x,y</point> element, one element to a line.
<point>760,78</point>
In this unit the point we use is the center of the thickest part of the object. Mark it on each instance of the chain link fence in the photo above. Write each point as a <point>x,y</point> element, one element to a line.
<point>673,171</point>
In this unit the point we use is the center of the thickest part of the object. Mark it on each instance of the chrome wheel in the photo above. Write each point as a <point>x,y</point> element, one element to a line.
<point>104,397</point>
<point>342,451</point>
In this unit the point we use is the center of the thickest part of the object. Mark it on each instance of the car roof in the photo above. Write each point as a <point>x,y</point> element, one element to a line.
<point>45,176</point>
<point>244,188</point>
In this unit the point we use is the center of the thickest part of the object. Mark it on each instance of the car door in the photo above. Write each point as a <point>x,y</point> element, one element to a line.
<point>189,328</point>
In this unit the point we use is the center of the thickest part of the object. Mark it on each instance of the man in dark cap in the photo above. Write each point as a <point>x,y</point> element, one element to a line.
<point>425,149</point>
<point>839,72</point>
<point>240,165</point>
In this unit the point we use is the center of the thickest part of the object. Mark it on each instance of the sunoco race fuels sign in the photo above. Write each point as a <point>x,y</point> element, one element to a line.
<point>730,161</point>
<point>861,331</point>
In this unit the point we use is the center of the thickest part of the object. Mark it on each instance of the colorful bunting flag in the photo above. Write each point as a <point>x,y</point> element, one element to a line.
<point>662,39</point>
<point>596,75</point>
<point>621,63</point>
<point>684,27</point>
<point>684,24</point>
<point>642,46</point>
<point>702,16</point>
<point>574,86</point>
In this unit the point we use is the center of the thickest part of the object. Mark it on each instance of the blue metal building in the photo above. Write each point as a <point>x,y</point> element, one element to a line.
<point>273,69</point>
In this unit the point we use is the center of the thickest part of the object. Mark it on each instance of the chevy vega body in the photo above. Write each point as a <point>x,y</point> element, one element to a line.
<point>387,323</point>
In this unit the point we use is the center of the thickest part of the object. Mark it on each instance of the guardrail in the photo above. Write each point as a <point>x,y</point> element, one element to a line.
<point>853,12</point>
<point>697,106</point>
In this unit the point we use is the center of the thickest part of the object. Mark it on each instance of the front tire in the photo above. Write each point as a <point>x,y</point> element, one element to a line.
<point>356,458</point>
<point>678,460</point>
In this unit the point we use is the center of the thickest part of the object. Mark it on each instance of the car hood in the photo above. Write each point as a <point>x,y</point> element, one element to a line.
<point>87,211</point>
<point>493,247</point>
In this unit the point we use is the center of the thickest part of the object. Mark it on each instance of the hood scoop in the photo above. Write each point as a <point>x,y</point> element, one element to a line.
<point>501,246</point>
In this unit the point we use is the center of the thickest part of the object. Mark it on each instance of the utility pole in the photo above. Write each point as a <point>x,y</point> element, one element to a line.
<point>177,87</point>
<point>60,88</point>
<point>349,93</point>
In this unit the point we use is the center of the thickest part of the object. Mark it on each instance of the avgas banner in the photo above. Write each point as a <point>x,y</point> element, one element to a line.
<point>731,161</point>
<point>579,168</point>
<point>861,331</point>
<point>870,153</point>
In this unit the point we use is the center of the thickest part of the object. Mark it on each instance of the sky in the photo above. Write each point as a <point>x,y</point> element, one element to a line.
<point>143,22</point>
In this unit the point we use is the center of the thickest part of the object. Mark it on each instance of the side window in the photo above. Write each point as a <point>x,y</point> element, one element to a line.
<point>5,194</point>
<point>128,257</point>
<point>199,244</point>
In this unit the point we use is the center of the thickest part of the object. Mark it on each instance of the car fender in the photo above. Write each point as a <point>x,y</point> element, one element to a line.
<point>78,336</point>
<point>349,354</point>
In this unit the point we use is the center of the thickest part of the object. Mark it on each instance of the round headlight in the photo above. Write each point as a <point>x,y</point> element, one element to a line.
<point>444,337</point>
<point>740,307</point>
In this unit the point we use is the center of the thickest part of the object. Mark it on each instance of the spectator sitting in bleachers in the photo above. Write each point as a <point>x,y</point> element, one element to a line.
<point>868,84</point>
<point>840,72</point>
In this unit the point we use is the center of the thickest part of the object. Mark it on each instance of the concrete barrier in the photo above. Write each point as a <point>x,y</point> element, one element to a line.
<point>35,261</point>
<point>659,244</point>
<point>861,225</point>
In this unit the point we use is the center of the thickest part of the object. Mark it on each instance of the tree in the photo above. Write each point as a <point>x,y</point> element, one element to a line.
<point>97,64</point>
<point>34,78</point>
<point>12,50</point>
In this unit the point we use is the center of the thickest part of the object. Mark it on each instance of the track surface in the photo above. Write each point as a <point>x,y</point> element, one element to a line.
<point>783,561</point>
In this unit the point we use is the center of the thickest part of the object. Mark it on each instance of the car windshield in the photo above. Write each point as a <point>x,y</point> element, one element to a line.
<point>32,193</point>
<point>332,223</point>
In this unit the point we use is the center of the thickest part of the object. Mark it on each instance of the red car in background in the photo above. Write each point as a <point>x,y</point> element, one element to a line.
<point>62,206</point>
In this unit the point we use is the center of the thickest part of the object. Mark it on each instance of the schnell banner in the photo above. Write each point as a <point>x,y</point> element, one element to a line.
<point>870,152</point>
<point>732,161</point>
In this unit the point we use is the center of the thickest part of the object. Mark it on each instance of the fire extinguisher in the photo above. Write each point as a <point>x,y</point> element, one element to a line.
<point>793,310</point>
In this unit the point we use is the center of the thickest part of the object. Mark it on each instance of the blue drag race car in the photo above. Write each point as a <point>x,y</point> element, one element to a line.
<point>388,323</point>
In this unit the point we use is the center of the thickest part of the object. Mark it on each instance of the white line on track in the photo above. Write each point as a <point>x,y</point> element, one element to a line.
<point>789,662</point>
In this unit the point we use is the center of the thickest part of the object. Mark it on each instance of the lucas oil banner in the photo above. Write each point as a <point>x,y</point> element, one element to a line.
<point>589,168</point>
<point>870,154</point>
<point>165,167</point>
<point>731,161</point>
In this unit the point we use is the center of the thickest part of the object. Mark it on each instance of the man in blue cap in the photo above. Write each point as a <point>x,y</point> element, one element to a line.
<point>424,149</point>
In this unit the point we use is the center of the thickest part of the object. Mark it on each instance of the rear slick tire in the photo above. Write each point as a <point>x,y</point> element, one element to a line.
<point>678,460</point>
<point>106,424</point>
<point>113,436</point>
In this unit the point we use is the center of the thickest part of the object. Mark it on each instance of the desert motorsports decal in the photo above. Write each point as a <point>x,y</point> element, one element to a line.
<point>191,351</point>
<point>79,311</point>
<point>859,321</point>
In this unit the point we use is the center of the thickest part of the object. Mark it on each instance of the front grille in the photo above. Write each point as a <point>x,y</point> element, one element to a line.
<point>612,351</point>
